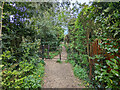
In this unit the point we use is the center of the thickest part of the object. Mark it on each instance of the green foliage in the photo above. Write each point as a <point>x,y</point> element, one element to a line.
<point>20,48</point>
<point>35,80</point>
<point>42,61</point>
<point>21,41</point>
<point>30,27</point>
<point>72,62</point>
<point>77,43</point>
<point>27,76</point>
<point>80,73</point>
<point>107,73</point>
<point>59,61</point>
<point>53,54</point>
<point>66,61</point>
<point>110,79</point>
<point>15,74</point>
<point>97,21</point>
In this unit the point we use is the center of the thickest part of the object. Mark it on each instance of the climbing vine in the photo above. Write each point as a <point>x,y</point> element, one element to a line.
<point>99,21</point>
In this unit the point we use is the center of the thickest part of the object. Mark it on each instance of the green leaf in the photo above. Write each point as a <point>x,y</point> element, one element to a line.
<point>108,9</point>
<point>108,62</point>
<point>116,50</point>
<point>99,7</point>
<point>100,44</point>
<point>115,72</point>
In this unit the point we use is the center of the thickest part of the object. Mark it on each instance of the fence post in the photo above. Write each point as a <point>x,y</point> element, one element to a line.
<point>60,52</point>
<point>48,50</point>
<point>42,52</point>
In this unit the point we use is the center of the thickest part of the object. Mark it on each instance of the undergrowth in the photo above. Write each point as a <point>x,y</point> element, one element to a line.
<point>80,73</point>
<point>52,54</point>
<point>59,61</point>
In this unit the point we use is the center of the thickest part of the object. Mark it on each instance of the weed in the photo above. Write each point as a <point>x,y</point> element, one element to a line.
<point>59,61</point>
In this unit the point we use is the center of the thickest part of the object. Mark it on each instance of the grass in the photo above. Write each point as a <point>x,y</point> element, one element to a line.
<point>59,61</point>
<point>53,54</point>
<point>66,61</point>
<point>80,73</point>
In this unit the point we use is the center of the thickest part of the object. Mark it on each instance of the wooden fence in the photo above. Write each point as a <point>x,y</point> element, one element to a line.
<point>44,48</point>
<point>96,50</point>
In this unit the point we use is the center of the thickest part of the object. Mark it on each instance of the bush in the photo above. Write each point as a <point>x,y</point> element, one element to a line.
<point>80,72</point>
<point>35,80</point>
<point>22,69</point>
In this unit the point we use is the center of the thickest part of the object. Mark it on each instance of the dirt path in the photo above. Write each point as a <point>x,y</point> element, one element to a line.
<point>60,75</point>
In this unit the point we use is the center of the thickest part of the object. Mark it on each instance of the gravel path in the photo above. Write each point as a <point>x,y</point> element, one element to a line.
<point>60,75</point>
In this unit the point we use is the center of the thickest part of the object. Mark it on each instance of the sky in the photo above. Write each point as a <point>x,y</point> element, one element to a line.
<point>73,1</point>
<point>81,1</point>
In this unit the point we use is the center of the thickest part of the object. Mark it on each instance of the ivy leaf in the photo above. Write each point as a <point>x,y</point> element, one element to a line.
<point>108,62</point>
<point>111,81</point>
<point>100,44</point>
<point>116,50</point>
<point>116,15</point>
<point>108,9</point>
<point>96,77</point>
<point>115,72</point>
<point>99,7</point>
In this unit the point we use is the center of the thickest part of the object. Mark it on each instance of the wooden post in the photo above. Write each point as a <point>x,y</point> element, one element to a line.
<point>60,52</point>
<point>60,56</point>
<point>42,52</point>
<point>88,53</point>
<point>48,50</point>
